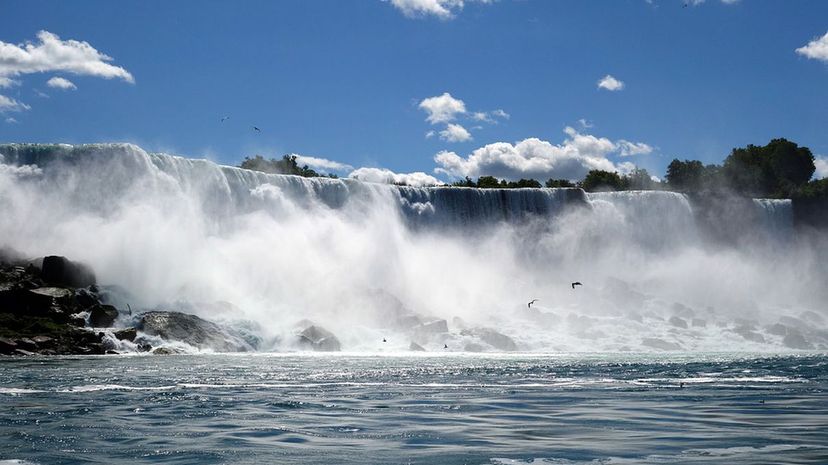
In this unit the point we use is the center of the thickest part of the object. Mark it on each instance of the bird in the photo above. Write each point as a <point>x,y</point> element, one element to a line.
<point>225,118</point>
<point>681,385</point>
<point>762,401</point>
<point>445,346</point>
<point>576,283</point>
<point>383,340</point>
<point>530,303</point>
<point>256,129</point>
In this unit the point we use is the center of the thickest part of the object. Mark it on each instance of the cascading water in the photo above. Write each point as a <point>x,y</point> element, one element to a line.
<point>357,257</point>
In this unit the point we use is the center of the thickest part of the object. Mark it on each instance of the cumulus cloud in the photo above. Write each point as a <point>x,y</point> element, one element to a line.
<point>385,176</point>
<point>610,83</point>
<point>539,159</point>
<point>443,9</point>
<point>455,133</point>
<point>8,82</point>
<point>821,167</point>
<point>585,124</point>
<point>10,120</point>
<point>61,83</point>
<point>816,49</point>
<point>627,148</point>
<point>321,163</point>
<point>53,54</point>
<point>442,108</point>
<point>9,104</point>
<point>489,117</point>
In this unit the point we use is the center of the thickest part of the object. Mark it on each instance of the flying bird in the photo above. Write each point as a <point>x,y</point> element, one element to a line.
<point>225,119</point>
<point>256,129</point>
<point>445,346</point>
<point>576,283</point>
<point>530,303</point>
<point>383,340</point>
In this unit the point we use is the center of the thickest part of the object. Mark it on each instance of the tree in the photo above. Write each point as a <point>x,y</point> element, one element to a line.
<point>639,179</point>
<point>488,182</point>
<point>467,182</point>
<point>525,183</point>
<point>792,165</point>
<point>559,183</point>
<point>776,169</point>
<point>602,180</point>
<point>685,176</point>
<point>286,165</point>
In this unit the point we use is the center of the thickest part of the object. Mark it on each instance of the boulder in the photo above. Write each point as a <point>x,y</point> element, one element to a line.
<point>699,323</point>
<point>414,347</point>
<point>777,329</point>
<point>495,339</point>
<point>677,322</point>
<point>43,341</point>
<point>26,344</point>
<point>192,330</point>
<point>660,344</point>
<point>795,340</point>
<point>60,271</point>
<point>748,333</point>
<point>319,339</point>
<point>128,334</point>
<point>102,316</point>
<point>7,346</point>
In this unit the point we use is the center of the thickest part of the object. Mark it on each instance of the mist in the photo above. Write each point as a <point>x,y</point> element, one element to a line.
<point>267,251</point>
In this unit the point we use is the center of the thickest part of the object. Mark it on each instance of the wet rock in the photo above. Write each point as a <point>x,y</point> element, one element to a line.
<point>23,352</point>
<point>495,339</point>
<point>60,271</point>
<point>102,316</point>
<point>431,328</point>
<point>698,323</point>
<point>43,341</point>
<point>128,334</point>
<point>27,344</point>
<point>192,330</point>
<point>777,329</point>
<point>677,322</point>
<point>86,299</point>
<point>748,333</point>
<point>414,347</point>
<point>164,351</point>
<point>795,340</point>
<point>7,346</point>
<point>812,317</point>
<point>660,344</point>
<point>319,339</point>
<point>682,310</point>
<point>473,347</point>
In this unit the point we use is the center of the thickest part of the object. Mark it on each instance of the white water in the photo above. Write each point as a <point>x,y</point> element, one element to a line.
<point>189,234</point>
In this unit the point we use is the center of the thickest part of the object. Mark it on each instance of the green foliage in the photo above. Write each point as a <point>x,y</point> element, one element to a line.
<point>774,170</point>
<point>639,180</point>
<point>559,183</point>
<point>286,165</point>
<point>685,176</point>
<point>488,182</point>
<point>598,180</point>
<point>817,189</point>
<point>467,182</point>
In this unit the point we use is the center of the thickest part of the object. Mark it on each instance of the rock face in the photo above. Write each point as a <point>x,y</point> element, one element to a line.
<point>493,338</point>
<point>192,330</point>
<point>102,316</point>
<point>62,272</point>
<point>319,339</point>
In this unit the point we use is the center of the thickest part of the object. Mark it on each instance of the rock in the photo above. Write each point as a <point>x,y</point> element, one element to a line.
<point>112,352</point>
<point>414,347</point>
<point>748,333</point>
<point>493,338</point>
<point>812,317</point>
<point>23,352</point>
<point>190,329</point>
<point>660,344</point>
<point>677,322</point>
<point>102,316</point>
<point>143,347</point>
<point>434,327</point>
<point>795,340</point>
<point>63,272</point>
<point>27,344</point>
<point>7,346</point>
<point>777,329</point>
<point>163,351</point>
<point>319,339</point>
<point>127,334</point>
<point>86,299</point>
<point>43,341</point>
<point>473,347</point>
<point>699,323</point>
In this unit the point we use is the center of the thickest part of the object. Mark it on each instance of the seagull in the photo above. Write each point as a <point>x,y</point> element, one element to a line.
<point>256,129</point>
<point>530,303</point>
<point>445,346</point>
<point>576,283</point>
<point>225,119</point>
<point>383,340</point>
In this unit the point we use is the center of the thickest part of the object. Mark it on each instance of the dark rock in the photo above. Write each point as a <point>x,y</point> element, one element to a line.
<point>43,341</point>
<point>190,329</point>
<point>27,344</point>
<point>414,347</point>
<point>86,299</point>
<point>63,272</point>
<point>127,334</point>
<point>493,338</point>
<point>677,322</point>
<point>143,347</point>
<point>112,352</point>
<point>7,346</point>
<point>165,351</point>
<point>795,340</point>
<point>23,352</point>
<point>102,316</point>
<point>660,344</point>
<point>319,339</point>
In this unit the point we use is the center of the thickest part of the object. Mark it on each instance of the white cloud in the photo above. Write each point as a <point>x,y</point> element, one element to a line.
<point>430,134</point>
<point>442,108</point>
<point>61,83</point>
<point>816,49</point>
<point>585,124</point>
<point>455,133</point>
<point>443,9</point>
<point>53,54</point>
<point>10,104</point>
<point>821,167</point>
<point>11,120</point>
<point>627,148</point>
<point>539,159</point>
<point>385,176</point>
<point>610,83</point>
<point>489,117</point>
<point>321,163</point>
<point>7,82</point>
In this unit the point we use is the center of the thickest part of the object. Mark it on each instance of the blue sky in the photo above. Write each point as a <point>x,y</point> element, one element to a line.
<point>349,81</point>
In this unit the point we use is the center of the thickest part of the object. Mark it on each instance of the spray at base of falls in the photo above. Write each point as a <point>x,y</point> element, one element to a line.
<point>371,261</point>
